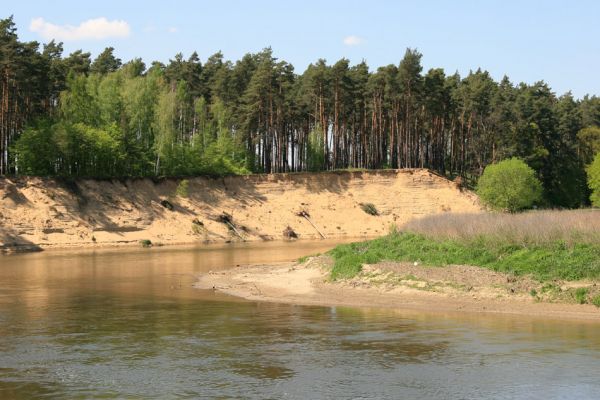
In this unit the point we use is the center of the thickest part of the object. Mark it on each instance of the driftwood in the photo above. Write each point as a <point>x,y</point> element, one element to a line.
<point>289,233</point>
<point>304,214</point>
<point>227,219</point>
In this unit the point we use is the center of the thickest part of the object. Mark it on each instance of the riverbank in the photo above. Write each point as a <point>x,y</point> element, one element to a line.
<point>405,286</point>
<point>43,213</point>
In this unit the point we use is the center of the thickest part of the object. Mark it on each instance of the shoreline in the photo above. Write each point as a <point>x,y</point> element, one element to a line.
<point>308,284</point>
<point>135,244</point>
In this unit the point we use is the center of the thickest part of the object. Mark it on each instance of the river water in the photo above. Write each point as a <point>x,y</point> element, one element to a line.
<point>126,323</point>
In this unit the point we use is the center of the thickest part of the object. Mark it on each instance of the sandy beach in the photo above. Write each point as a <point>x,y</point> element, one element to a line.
<point>393,285</point>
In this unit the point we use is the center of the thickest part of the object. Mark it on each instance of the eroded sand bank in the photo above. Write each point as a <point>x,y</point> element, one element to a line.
<point>45,213</point>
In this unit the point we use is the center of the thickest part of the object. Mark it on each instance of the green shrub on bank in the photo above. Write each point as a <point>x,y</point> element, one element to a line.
<point>555,260</point>
<point>183,189</point>
<point>593,173</point>
<point>369,208</point>
<point>509,185</point>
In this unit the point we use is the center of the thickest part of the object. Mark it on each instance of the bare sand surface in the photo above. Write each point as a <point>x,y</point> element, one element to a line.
<point>394,285</point>
<point>45,213</point>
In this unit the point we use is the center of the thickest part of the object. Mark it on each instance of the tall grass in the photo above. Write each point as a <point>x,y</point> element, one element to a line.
<point>546,244</point>
<point>530,228</point>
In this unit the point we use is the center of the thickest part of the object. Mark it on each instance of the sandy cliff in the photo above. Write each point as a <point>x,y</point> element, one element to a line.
<point>38,212</point>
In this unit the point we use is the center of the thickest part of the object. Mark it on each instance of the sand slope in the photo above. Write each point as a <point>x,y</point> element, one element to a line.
<point>48,212</point>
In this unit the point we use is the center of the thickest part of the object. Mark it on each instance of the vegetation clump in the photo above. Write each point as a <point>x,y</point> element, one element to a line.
<point>167,204</point>
<point>596,300</point>
<point>510,185</point>
<point>197,226</point>
<point>369,208</point>
<point>581,295</point>
<point>183,188</point>
<point>146,243</point>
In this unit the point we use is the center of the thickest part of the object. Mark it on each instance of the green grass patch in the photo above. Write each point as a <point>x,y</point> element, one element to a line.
<point>581,295</point>
<point>596,300</point>
<point>544,262</point>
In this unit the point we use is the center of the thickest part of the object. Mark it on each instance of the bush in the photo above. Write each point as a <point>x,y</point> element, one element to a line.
<point>509,185</point>
<point>593,173</point>
<point>183,188</point>
<point>369,208</point>
<point>596,300</point>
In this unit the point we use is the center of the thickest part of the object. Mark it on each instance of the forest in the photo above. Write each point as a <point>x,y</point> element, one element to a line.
<point>74,116</point>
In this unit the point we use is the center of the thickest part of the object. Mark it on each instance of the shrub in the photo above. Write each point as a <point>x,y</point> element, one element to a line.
<point>593,173</point>
<point>509,185</point>
<point>183,188</point>
<point>146,243</point>
<point>369,208</point>
<point>596,300</point>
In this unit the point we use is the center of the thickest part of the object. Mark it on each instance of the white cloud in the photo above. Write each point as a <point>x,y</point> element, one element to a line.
<point>353,40</point>
<point>173,30</point>
<point>97,28</point>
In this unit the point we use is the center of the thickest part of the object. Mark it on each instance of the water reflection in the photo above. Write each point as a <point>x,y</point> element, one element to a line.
<point>126,323</point>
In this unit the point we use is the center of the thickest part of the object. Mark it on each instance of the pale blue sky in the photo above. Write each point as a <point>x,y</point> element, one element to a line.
<point>529,40</point>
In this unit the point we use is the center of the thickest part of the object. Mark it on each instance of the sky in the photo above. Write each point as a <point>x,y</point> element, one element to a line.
<point>528,40</point>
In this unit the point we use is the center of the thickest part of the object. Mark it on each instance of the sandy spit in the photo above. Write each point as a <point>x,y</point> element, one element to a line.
<point>455,289</point>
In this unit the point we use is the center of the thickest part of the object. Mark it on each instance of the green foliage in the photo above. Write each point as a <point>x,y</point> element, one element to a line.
<point>589,142</point>
<point>105,62</point>
<point>593,172</point>
<point>183,188</point>
<point>369,208</point>
<point>544,262</point>
<point>581,295</point>
<point>509,185</point>
<point>596,300</point>
<point>146,243</point>
<point>35,150</point>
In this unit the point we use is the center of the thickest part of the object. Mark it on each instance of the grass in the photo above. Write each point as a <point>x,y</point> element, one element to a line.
<point>581,295</point>
<point>544,244</point>
<point>596,300</point>
<point>525,229</point>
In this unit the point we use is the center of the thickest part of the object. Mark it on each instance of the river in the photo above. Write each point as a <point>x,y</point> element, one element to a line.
<point>126,323</point>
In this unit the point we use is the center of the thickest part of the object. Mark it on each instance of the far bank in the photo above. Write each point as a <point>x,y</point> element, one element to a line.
<point>40,213</point>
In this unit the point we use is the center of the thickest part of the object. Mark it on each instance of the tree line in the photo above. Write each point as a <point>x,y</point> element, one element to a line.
<point>81,117</point>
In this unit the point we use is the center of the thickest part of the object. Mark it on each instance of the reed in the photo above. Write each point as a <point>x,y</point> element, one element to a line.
<point>530,228</point>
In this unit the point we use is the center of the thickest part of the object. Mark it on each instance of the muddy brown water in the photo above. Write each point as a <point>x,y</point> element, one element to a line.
<point>126,323</point>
